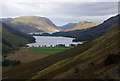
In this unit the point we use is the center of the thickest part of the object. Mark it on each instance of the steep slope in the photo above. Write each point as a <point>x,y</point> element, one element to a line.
<point>85,61</point>
<point>91,33</point>
<point>83,25</point>
<point>5,19</point>
<point>13,39</point>
<point>29,24</point>
<point>87,65</point>
<point>67,26</point>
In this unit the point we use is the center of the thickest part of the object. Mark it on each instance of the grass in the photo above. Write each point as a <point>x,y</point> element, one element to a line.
<point>49,50</point>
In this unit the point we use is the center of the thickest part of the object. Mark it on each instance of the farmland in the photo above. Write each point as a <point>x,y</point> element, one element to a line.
<point>49,50</point>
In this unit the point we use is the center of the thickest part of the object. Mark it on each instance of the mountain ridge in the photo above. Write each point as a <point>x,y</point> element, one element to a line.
<point>83,25</point>
<point>28,24</point>
<point>67,26</point>
<point>93,32</point>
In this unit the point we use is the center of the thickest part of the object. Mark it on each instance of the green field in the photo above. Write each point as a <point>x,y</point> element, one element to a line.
<point>49,50</point>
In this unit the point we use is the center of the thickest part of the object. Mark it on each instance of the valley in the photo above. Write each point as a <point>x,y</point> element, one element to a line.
<point>90,51</point>
<point>86,59</point>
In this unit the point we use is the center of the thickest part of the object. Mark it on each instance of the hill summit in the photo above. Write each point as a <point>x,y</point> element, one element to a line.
<point>29,24</point>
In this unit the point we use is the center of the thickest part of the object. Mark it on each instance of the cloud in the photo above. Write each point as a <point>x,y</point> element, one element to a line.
<point>59,11</point>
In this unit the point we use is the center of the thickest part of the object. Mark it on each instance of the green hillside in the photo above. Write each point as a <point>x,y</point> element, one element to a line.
<point>28,24</point>
<point>13,39</point>
<point>86,61</point>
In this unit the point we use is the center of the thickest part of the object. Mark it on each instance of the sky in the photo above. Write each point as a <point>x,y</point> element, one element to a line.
<point>61,12</point>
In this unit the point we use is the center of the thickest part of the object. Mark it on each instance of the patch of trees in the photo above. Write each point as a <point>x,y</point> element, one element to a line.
<point>76,70</point>
<point>92,63</point>
<point>10,62</point>
<point>111,59</point>
<point>60,45</point>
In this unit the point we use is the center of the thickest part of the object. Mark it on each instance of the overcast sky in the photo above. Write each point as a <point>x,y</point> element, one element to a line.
<point>61,11</point>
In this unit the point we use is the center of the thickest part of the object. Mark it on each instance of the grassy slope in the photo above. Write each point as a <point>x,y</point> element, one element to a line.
<point>65,69</point>
<point>83,25</point>
<point>33,24</point>
<point>49,50</point>
<point>12,39</point>
<point>62,65</point>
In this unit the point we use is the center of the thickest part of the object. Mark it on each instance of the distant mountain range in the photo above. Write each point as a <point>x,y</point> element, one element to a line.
<point>83,25</point>
<point>93,32</point>
<point>78,26</point>
<point>30,24</point>
<point>13,39</point>
<point>67,26</point>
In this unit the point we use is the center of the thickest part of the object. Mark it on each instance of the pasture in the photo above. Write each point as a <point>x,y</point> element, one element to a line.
<point>49,50</point>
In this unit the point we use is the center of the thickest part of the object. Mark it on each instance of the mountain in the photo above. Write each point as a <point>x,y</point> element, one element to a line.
<point>77,26</point>
<point>67,26</point>
<point>13,39</point>
<point>91,33</point>
<point>28,24</point>
<point>95,59</point>
<point>83,25</point>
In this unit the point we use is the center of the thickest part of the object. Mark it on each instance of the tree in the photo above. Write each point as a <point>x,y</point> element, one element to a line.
<point>112,58</point>
<point>76,70</point>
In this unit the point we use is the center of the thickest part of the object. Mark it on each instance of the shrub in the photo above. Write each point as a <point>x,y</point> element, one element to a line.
<point>76,70</point>
<point>10,63</point>
<point>111,59</point>
<point>92,63</point>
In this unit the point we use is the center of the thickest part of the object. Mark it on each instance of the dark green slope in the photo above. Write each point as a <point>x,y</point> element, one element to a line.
<point>13,39</point>
<point>92,33</point>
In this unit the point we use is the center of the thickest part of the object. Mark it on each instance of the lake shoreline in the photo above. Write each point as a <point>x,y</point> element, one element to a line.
<point>53,41</point>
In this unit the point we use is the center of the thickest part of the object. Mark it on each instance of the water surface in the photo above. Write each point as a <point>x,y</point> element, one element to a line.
<point>48,40</point>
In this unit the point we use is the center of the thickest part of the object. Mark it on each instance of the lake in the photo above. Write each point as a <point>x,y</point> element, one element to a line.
<point>51,40</point>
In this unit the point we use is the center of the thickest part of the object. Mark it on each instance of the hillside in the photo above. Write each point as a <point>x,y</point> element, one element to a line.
<point>28,24</point>
<point>83,25</point>
<point>5,19</point>
<point>67,26</point>
<point>86,61</point>
<point>91,33</point>
<point>13,39</point>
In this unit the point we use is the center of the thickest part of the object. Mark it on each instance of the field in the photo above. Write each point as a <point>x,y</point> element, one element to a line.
<point>49,50</point>
<point>25,55</point>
